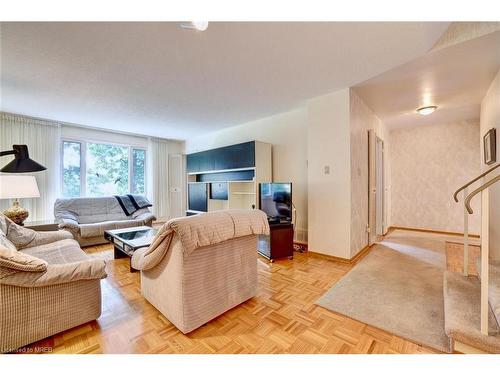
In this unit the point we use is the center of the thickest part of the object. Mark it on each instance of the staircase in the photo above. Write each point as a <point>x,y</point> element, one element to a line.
<point>472,303</point>
<point>462,312</point>
<point>494,290</point>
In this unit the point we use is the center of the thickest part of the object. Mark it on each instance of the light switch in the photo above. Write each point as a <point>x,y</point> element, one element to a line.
<point>327,169</point>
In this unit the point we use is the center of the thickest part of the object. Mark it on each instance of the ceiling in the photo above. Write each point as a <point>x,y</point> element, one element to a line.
<point>455,78</point>
<point>158,79</point>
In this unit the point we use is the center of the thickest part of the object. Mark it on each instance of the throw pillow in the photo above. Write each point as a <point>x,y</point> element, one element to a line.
<point>3,223</point>
<point>4,242</point>
<point>19,235</point>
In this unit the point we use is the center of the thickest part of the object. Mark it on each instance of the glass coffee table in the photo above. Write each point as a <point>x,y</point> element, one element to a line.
<point>127,240</point>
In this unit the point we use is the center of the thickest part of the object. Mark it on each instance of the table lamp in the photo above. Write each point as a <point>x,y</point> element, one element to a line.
<point>15,187</point>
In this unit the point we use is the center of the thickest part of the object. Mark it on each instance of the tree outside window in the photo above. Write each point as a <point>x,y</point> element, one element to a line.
<point>106,167</point>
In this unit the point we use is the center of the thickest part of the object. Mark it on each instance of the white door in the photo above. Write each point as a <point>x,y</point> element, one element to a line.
<point>372,186</point>
<point>376,187</point>
<point>176,182</point>
<point>379,188</point>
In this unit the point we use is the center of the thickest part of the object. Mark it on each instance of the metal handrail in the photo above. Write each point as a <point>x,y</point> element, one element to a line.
<point>478,190</point>
<point>455,196</point>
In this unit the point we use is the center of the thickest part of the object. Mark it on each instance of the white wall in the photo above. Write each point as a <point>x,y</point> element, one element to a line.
<point>329,194</point>
<point>287,132</point>
<point>490,118</point>
<point>363,119</point>
<point>428,164</point>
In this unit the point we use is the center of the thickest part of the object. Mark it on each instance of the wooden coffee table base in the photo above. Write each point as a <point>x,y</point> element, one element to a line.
<point>127,240</point>
<point>119,254</point>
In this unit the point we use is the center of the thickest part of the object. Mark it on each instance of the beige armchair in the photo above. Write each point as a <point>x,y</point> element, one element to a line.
<point>47,285</point>
<point>200,266</point>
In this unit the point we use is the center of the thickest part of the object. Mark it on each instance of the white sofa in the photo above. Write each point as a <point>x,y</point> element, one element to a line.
<point>200,266</point>
<point>88,218</point>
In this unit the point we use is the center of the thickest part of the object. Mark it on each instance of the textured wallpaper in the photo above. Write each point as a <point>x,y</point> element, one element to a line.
<point>428,164</point>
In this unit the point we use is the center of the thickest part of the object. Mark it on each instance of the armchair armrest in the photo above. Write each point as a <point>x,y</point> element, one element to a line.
<point>92,269</point>
<point>148,257</point>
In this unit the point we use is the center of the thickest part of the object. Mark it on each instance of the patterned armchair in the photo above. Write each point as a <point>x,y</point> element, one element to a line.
<point>47,285</point>
<point>200,266</point>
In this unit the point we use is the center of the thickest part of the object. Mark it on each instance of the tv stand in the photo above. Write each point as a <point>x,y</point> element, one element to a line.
<point>279,242</point>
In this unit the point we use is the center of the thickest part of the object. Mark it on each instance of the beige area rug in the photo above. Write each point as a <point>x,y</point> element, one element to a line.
<point>397,287</point>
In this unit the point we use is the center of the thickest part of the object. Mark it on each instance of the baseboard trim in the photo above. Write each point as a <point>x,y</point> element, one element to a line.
<point>361,254</point>
<point>393,228</point>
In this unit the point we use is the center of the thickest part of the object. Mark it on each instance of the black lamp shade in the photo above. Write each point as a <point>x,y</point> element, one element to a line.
<point>22,162</point>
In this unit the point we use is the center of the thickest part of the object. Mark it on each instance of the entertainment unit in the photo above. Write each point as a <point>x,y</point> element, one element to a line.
<point>227,177</point>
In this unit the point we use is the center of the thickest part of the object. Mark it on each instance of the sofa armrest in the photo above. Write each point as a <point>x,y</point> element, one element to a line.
<point>143,214</point>
<point>70,224</point>
<point>92,269</point>
<point>43,238</point>
<point>24,238</point>
<point>145,217</point>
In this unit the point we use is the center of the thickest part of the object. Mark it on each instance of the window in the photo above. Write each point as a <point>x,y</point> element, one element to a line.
<point>107,170</point>
<point>138,185</point>
<point>71,169</point>
<point>95,169</point>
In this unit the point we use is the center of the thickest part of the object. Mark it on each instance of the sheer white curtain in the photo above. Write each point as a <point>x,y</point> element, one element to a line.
<point>43,141</point>
<point>157,182</point>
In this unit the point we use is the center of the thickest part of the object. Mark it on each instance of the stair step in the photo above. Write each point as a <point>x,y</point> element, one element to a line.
<point>462,313</point>
<point>493,286</point>
<point>455,256</point>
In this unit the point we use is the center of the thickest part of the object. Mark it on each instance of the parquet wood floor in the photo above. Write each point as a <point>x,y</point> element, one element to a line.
<point>282,318</point>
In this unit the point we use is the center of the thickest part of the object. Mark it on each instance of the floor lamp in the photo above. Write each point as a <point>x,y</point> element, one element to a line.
<point>19,186</point>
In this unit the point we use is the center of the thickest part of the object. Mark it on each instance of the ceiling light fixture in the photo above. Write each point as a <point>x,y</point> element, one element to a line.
<point>427,110</point>
<point>195,25</point>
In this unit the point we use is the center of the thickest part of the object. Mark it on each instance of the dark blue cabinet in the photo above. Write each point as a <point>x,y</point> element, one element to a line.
<point>197,197</point>
<point>230,157</point>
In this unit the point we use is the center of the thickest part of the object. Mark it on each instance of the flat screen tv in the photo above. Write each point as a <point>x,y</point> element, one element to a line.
<point>276,200</point>
<point>218,190</point>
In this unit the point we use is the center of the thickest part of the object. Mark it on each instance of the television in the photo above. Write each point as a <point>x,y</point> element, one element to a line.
<point>218,191</point>
<point>275,199</point>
